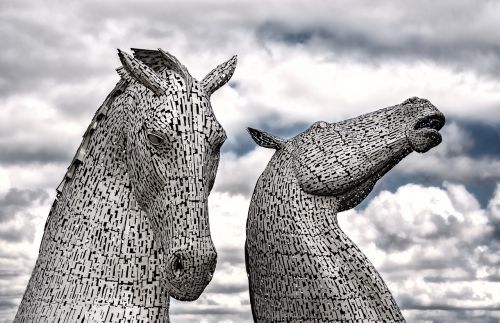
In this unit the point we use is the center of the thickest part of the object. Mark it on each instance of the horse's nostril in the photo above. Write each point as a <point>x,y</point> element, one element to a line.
<point>177,265</point>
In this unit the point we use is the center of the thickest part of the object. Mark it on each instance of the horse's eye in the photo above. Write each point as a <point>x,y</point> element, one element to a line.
<point>154,139</point>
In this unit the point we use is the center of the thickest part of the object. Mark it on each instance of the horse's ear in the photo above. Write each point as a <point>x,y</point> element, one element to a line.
<point>219,75</point>
<point>265,139</point>
<point>174,64</point>
<point>143,74</point>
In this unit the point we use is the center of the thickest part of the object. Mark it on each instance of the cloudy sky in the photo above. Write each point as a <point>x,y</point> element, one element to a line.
<point>431,226</point>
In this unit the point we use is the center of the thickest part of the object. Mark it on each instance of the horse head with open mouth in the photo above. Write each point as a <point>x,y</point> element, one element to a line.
<point>300,265</point>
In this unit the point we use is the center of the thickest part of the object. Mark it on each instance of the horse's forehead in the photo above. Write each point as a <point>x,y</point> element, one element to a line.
<point>318,130</point>
<point>182,115</point>
<point>182,109</point>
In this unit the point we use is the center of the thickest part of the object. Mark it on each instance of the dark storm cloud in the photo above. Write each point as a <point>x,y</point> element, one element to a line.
<point>54,43</point>
<point>16,200</point>
<point>460,34</point>
<point>486,138</point>
<point>241,143</point>
<point>361,45</point>
<point>447,31</point>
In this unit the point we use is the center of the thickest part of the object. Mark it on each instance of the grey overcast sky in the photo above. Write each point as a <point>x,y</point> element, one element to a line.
<point>431,226</point>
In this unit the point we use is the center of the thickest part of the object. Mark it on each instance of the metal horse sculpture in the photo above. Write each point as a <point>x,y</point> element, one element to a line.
<point>300,265</point>
<point>130,227</point>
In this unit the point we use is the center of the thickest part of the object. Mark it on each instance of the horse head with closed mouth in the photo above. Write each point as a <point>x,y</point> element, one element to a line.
<point>172,146</point>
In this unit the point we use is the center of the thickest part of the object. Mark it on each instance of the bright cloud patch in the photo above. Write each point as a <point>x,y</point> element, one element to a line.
<point>435,247</point>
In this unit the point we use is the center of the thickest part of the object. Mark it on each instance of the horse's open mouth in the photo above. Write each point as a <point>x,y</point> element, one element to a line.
<point>424,134</point>
<point>433,121</point>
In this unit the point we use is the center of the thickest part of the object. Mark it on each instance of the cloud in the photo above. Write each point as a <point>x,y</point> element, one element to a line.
<point>458,315</point>
<point>458,168</point>
<point>22,215</point>
<point>238,174</point>
<point>15,200</point>
<point>32,177</point>
<point>451,33</point>
<point>32,131</point>
<point>494,205</point>
<point>36,63</point>
<point>433,247</point>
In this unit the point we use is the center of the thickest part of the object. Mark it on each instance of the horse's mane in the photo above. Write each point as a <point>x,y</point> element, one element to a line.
<point>154,59</point>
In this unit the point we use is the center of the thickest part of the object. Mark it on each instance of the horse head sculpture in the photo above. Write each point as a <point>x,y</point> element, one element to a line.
<point>130,226</point>
<point>316,272</point>
<point>173,145</point>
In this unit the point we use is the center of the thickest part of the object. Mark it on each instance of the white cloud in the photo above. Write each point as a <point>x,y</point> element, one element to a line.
<point>45,176</point>
<point>238,174</point>
<point>432,246</point>
<point>298,86</point>
<point>494,204</point>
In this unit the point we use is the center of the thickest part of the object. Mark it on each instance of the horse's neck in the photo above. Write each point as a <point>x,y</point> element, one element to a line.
<point>310,219</point>
<point>98,195</point>
<point>97,252</point>
<point>278,185</point>
<point>298,257</point>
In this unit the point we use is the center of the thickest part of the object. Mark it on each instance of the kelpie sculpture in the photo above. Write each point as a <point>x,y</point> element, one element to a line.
<point>300,265</point>
<point>129,227</point>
